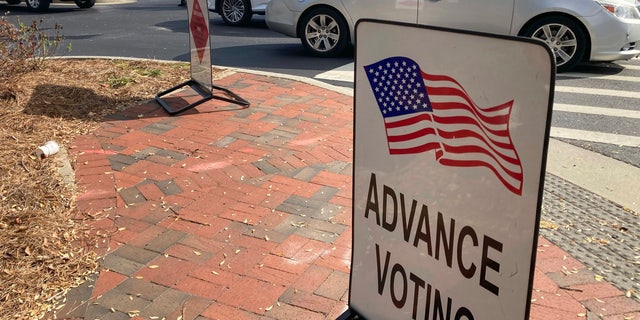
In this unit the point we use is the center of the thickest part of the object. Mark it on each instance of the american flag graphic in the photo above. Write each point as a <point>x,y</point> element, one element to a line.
<point>424,112</point>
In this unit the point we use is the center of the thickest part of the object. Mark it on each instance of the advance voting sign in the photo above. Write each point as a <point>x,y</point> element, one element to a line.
<point>451,132</point>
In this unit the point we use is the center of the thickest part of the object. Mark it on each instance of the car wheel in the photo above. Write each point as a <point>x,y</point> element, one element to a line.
<point>38,5</point>
<point>324,32</point>
<point>565,37</point>
<point>235,12</point>
<point>14,1</point>
<point>84,4</point>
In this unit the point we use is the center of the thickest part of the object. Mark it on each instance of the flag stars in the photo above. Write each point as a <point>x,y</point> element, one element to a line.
<point>398,87</point>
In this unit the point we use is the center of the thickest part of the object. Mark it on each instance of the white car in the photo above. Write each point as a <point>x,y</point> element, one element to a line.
<point>43,5</point>
<point>576,30</point>
<point>237,12</point>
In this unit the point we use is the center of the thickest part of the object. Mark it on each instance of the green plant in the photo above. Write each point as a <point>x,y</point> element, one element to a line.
<point>23,48</point>
<point>117,82</point>
<point>149,72</point>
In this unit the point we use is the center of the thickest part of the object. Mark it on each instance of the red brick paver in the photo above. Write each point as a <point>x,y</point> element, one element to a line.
<point>231,213</point>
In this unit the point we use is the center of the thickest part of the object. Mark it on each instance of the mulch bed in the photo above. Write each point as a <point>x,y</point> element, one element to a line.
<point>46,242</point>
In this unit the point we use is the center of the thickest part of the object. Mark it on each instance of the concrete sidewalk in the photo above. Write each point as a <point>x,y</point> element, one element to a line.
<point>230,213</point>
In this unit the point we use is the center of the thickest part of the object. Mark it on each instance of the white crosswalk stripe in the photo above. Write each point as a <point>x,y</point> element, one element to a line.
<point>345,74</point>
<point>599,92</point>
<point>601,77</point>
<point>592,136</point>
<point>623,113</point>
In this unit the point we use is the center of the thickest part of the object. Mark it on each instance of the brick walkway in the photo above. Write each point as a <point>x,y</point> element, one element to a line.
<point>230,213</point>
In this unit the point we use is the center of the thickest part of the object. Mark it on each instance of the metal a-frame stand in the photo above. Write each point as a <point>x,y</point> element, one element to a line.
<point>204,93</point>
<point>201,81</point>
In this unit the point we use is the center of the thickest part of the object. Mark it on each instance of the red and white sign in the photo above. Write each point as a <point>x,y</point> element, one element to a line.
<point>451,130</point>
<point>200,42</point>
<point>199,30</point>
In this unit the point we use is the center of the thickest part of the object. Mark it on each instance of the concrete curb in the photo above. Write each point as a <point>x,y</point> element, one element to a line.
<point>607,177</point>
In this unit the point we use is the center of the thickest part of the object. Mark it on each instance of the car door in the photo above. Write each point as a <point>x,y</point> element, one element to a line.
<point>391,10</point>
<point>493,16</point>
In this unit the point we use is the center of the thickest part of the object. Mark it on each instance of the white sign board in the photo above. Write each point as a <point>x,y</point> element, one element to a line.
<point>451,132</point>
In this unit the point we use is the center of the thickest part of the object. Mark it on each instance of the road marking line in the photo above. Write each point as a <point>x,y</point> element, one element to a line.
<point>600,92</point>
<point>600,76</point>
<point>600,137</point>
<point>343,73</point>
<point>622,113</point>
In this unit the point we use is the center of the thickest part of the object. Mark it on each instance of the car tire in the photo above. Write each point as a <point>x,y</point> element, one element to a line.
<point>85,4</point>
<point>14,1</point>
<point>38,5</point>
<point>565,37</point>
<point>324,32</point>
<point>235,12</point>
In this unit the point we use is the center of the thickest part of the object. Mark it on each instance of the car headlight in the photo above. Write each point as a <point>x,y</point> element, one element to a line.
<point>623,11</point>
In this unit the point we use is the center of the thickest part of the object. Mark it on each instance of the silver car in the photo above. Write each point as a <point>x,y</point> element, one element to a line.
<point>576,30</point>
<point>237,12</point>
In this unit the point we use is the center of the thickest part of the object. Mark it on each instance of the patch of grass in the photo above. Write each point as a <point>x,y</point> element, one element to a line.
<point>118,82</point>
<point>150,72</point>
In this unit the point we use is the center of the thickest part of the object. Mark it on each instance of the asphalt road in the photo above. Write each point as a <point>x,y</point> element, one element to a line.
<point>158,29</point>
